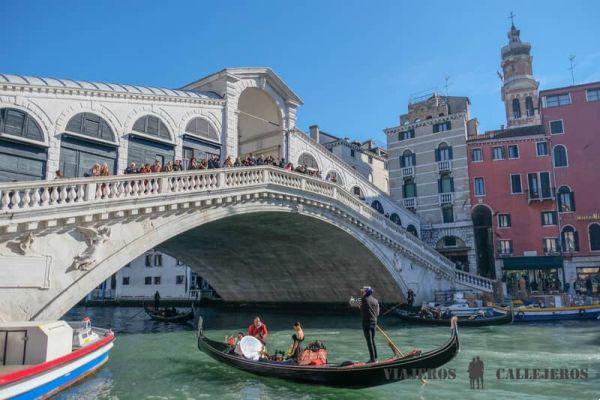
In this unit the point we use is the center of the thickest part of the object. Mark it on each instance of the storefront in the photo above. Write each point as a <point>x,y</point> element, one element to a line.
<point>150,141</point>
<point>543,274</point>
<point>588,281</point>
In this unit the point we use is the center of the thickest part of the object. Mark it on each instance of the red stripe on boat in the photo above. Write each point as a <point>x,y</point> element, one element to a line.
<point>36,369</point>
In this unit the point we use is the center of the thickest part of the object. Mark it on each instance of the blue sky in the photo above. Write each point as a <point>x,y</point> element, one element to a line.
<point>354,63</point>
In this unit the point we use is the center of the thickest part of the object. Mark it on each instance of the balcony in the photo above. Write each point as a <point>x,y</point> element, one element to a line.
<point>539,195</point>
<point>408,171</point>
<point>444,166</point>
<point>410,202</point>
<point>446,198</point>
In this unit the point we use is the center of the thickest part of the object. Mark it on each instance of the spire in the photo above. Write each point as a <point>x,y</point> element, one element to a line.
<point>513,34</point>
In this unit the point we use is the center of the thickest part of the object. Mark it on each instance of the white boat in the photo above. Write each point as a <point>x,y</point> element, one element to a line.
<point>39,359</point>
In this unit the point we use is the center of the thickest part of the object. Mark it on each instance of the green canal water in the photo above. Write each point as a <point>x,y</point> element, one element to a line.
<point>151,360</point>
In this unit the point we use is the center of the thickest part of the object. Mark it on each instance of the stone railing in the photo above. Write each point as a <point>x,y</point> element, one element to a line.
<point>408,171</point>
<point>474,280</point>
<point>446,198</point>
<point>444,165</point>
<point>32,201</point>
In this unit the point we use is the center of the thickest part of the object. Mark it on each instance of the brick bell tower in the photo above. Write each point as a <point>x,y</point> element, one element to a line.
<point>519,89</point>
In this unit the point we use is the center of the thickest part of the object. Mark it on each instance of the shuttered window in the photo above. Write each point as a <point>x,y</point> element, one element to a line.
<point>201,127</point>
<point>152,125</point>
<point>18,123</point>
<point>91,125</point>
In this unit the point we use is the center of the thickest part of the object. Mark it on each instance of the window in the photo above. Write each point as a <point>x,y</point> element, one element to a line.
<point>479,185</point>
<point>560,156</point>
<point>157,280</point>
<point>376,204</point>
<point>409,189</point>
<point>556,100</point>
<point>592,95</point>
<point>358,192</point>
<point>408,159</point>
<point>352,152</point>
<point>550,245</point>
<point>179,279</point>
<point>566,199</point>
<point>516,108</point>
<point>542,148</point>
<point>370,160</point>
<point>18,123</point>
<point>447,214</point>
<point>529,106</point>
<point>443,152</point>
<point>515,184</point>
<point>411,228</point>
<point>396,219</point>
<point>556,127</point>
<point>498,153</point>
<point>151,125</point>
<point>449,241</point>
<point>148,260</point>
<point>476,155</point>
<point>201,127</point>
<point>158,260</point>
<point>445,184</point>
<point>594,234</point>
<point>570,239</point>
<point>549,218</point>
<point>89,124</point>
<point>148,280</point>
<point>125,281</point>
<point>504,220</point>
<point>539,185</point>
<point>505,247</point>
<point>410,134</point>
<point>513,151</point>
<point>442,126</point>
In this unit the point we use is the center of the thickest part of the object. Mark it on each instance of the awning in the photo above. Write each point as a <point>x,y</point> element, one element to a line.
<point>539,262</point>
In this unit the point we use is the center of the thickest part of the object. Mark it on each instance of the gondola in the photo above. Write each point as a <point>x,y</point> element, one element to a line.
<point>347,374</point>
<point>180,317</point>
<point>506,318</point>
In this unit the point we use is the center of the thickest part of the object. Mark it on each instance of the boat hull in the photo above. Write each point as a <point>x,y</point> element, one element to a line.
<point>557,314</point>
<point>359,376</point>
<point>44,380</point>
<point>490,321</point>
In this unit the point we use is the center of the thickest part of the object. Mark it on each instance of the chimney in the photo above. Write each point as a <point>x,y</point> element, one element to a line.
<point>314,132</point>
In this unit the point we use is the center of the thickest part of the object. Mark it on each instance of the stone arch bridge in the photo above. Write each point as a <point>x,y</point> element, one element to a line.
<point>256,233</point>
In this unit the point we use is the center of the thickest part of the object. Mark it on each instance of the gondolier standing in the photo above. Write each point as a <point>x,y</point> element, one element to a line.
<point>369,310</point>
<point>156,300</point>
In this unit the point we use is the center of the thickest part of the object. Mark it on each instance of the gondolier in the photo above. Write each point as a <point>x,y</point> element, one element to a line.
<point>369,310</point>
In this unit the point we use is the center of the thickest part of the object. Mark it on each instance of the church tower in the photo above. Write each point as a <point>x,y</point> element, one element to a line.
<point>519,89</point>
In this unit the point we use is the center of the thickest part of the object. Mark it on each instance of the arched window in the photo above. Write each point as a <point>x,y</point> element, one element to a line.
<point>560,156</point>
<point>308,161</point>
<point>151,125</point>
<point>395,218</point>
<point>91,125</point>
<point>529,106</point>
<point>570,239</point>
<point>566,199</point>
<point>409,188</point>
<point>201,127</point>
<point>19,123</point>
<point>376,204</point>
<point>411,228</point>
<point>408,159</point>
<point>516,108</point>
<point>358,192</point>
<point>334,176</point>
<point>445,184</point>
<point>594,234</point>
<point>443,152</point>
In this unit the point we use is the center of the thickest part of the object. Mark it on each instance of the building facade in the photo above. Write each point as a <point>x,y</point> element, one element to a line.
<point>365,157</point>
<point>571,116</point>
<point>428,173</point>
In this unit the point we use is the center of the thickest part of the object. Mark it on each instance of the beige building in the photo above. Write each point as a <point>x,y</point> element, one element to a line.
<point>366,157</point>
<point>428,172</point>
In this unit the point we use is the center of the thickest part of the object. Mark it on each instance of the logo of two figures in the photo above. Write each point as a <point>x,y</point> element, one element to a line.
<point>476,373</point>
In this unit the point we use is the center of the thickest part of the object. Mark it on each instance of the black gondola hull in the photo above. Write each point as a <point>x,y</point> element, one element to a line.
<point>179,318</point>
<point>361,376</point>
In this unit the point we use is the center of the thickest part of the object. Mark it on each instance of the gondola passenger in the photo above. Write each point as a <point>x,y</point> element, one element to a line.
<point>298,336</point>
<point>259,330</point>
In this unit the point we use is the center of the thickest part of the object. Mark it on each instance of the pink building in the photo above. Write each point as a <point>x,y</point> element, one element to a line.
<point>571,116</point>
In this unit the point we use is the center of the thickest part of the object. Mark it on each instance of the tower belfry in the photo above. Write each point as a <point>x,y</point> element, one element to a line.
<point>519,89</point>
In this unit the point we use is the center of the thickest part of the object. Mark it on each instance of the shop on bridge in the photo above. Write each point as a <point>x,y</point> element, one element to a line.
<point>200,140</point>
<point>87,140</point>
<point>150,141</point>
<point>23,153</point>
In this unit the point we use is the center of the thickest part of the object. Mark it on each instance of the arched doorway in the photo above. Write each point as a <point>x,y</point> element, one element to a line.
<point>23,154</point>
<point>87,140</point>
<point>484,241</point>
<point>456,250</point>
<point>260,128</point>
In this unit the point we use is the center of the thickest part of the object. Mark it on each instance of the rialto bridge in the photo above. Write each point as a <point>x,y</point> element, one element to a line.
<point>255,233</point>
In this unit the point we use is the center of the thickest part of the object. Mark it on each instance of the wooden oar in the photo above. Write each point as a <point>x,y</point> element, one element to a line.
<point>394,348</point>
<point>391,309</point>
